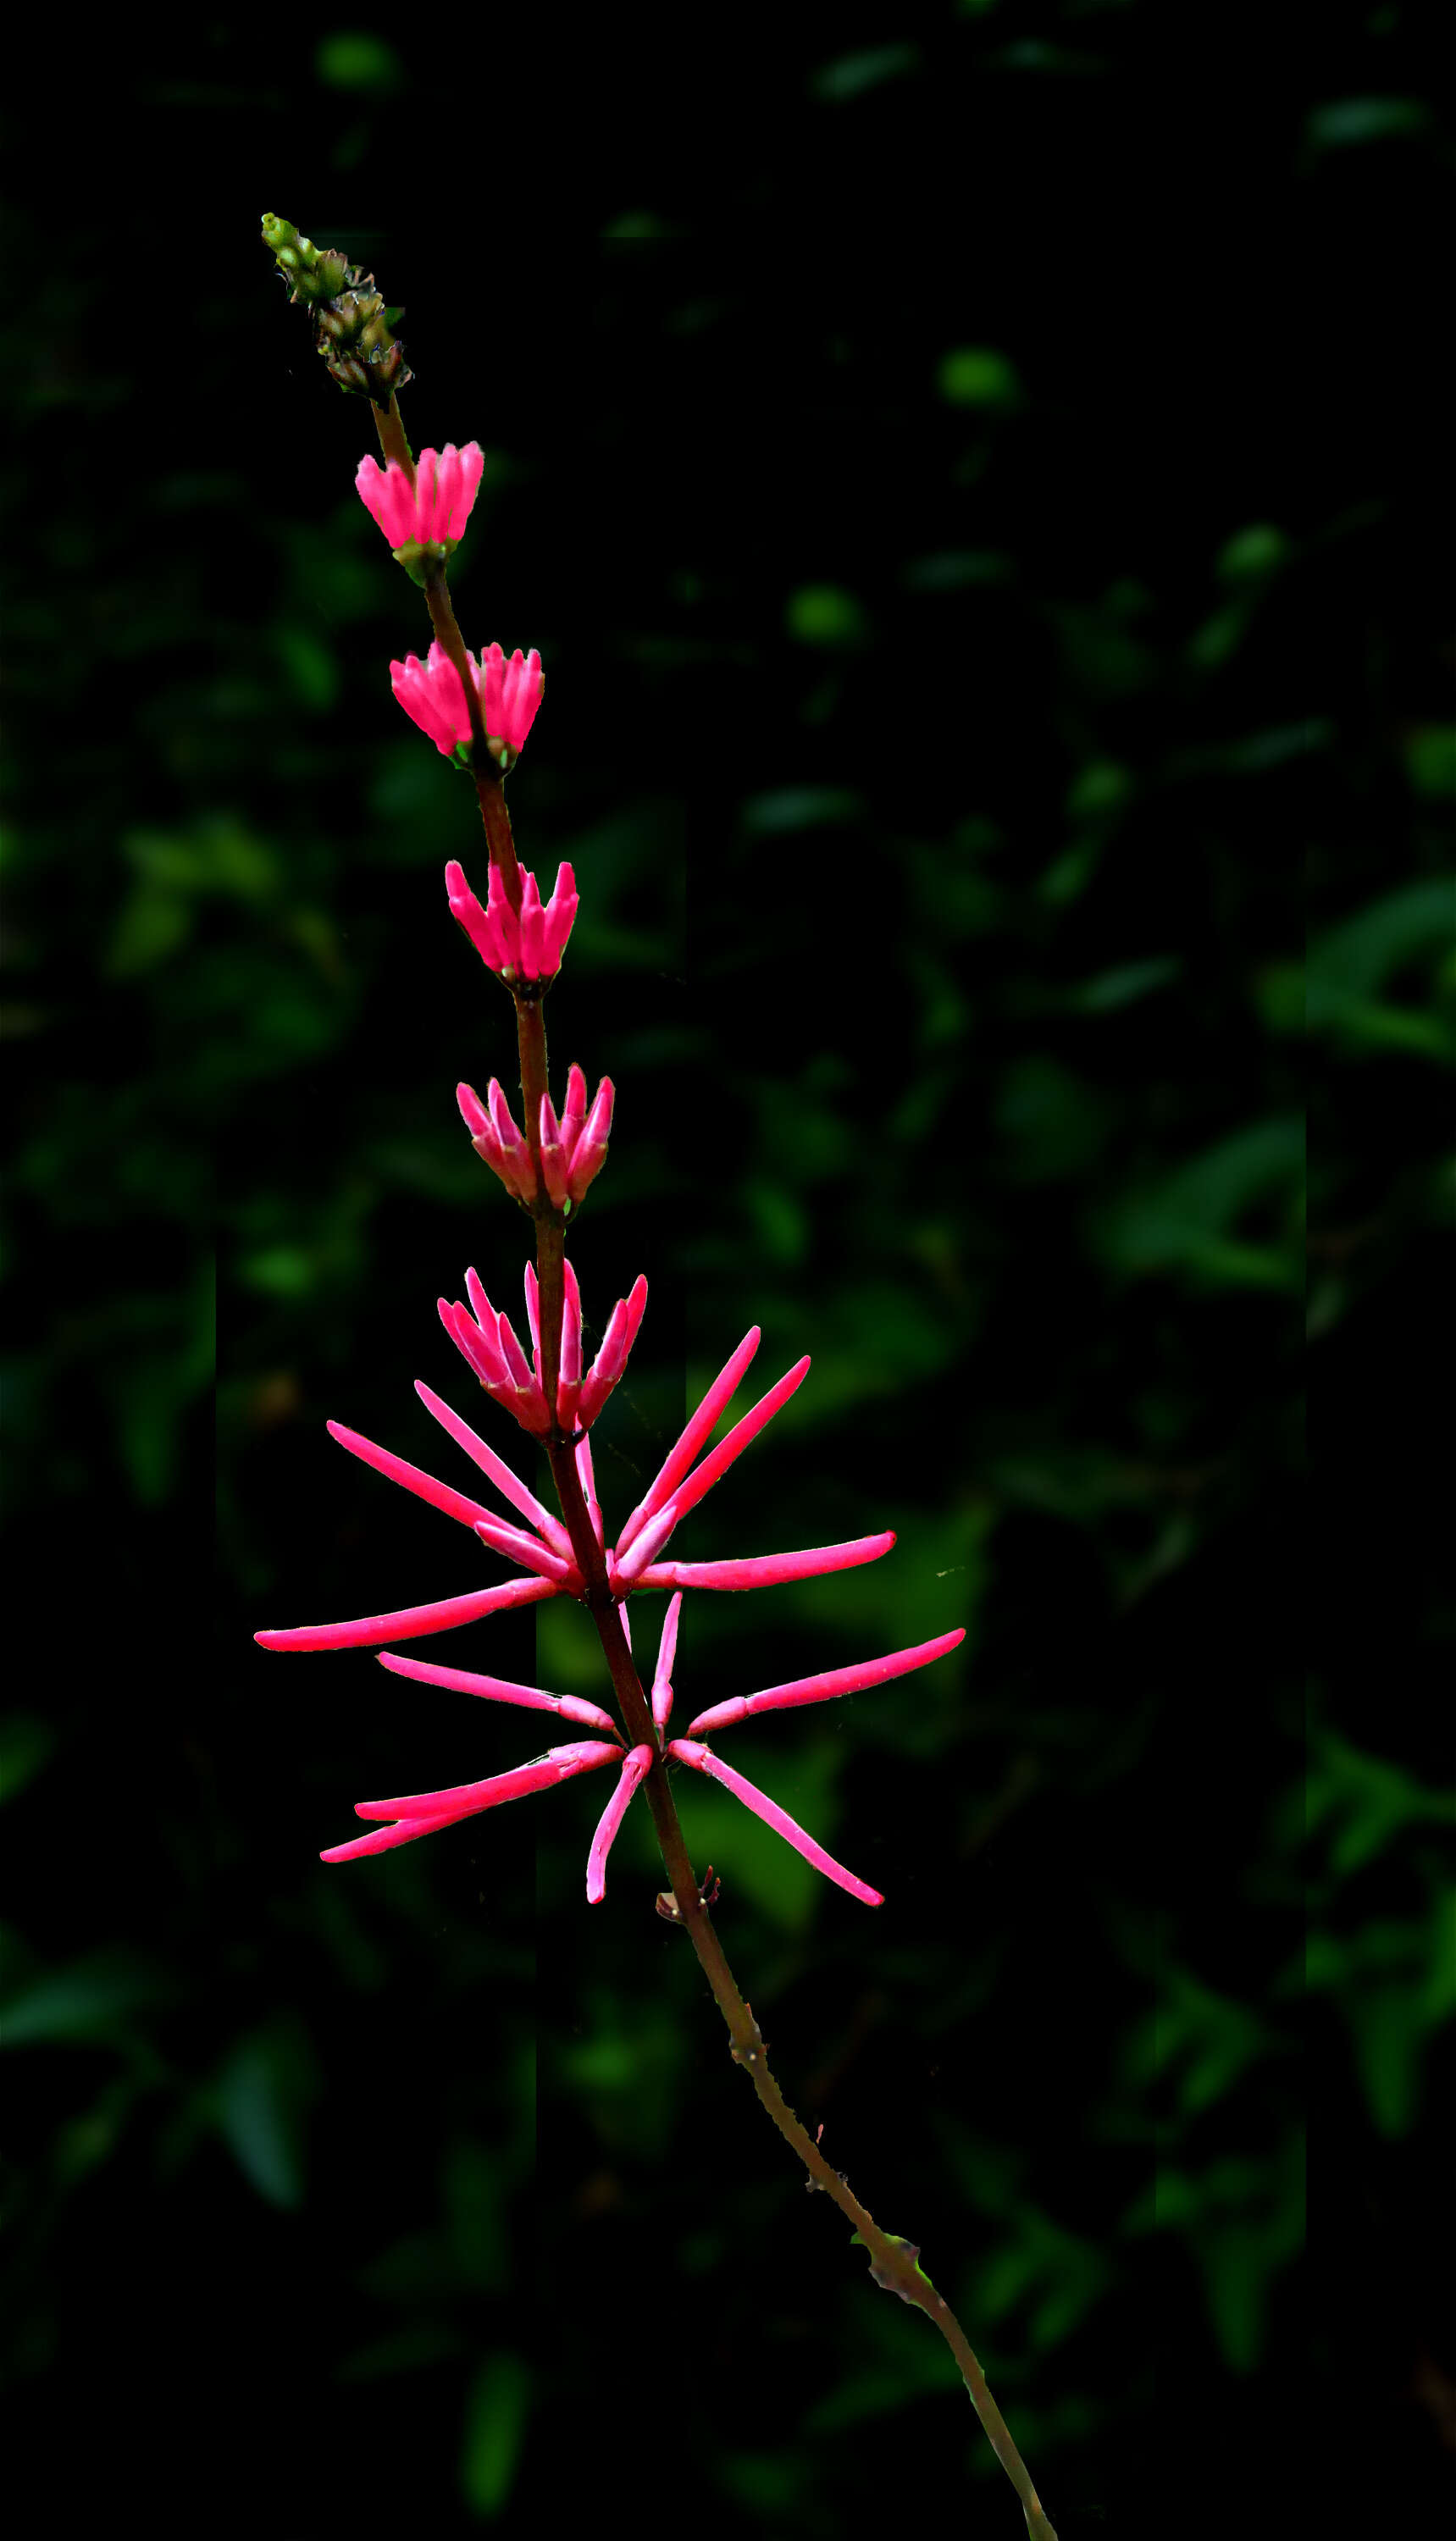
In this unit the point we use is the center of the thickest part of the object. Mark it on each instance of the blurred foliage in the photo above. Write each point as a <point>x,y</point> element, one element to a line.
<point>977,494</point>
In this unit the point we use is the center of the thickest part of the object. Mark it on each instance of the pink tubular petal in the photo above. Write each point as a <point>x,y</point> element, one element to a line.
<point>500,1116</point>
<point>772,1815</point>
<point>627,1568</point>
<point>470,465</point>
<point>622,1327</point>
<point>571,1327</point>
<point>504,916</point>
<point>408,1622</point>
<point>482,925</point>
<point>582,1453</point>
<point>480,1347</point>
<point>742,1435</point>
<point>518,1368</point>
<point>533,1313</point>
<point>553,1159</point>
<point>611,1351</point>
<point>492,664</point>
<point>472,1110</point>
<point>573,1111</point>
<point>499,1689</point>
<point>638,1763</point>
<point>424,1485</point>
<point>662,1675</point>
<point>384,1839</point>
<point>636,1308</point>
<point>521,689</point>
<point>517,1546</point>
<point>765,1569</point>
<point>560,915</point>
<point>698,1431</point>
<point>465,1799</point>
<point>823,1688</point>
<point>386,496</point>
<point>434,483</point>
<point>533,944</point>
<point>509,1484</point>
<point>570,1383</point>
<point>596,1129</point>
<point>443,717</point>
<point>481,1305</point>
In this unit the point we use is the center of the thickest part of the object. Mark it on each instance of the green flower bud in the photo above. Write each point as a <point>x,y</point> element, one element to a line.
<point>352,325</point>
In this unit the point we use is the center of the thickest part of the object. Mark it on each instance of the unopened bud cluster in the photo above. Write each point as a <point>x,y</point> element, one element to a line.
<point>572,1147</point>
<point>352,325</point>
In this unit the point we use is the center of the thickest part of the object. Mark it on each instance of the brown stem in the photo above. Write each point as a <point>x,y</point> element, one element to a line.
<point>389,426</point>
<point>499,838</point>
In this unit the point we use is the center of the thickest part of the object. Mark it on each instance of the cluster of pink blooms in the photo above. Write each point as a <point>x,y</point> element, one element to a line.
<point>486,1340</point>
<point>543,1547</point>
<point>434,510</point>
<point>573,1148</point>
<point>525,947</point>
<point>510,692</point>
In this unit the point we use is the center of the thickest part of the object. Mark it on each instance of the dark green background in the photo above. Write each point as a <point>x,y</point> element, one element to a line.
<point>972,478</point>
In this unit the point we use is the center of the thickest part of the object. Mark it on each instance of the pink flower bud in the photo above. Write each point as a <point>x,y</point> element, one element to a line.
<point>552,1161</point>
<point>639,1762</point>
<point>433,512</point>
<point>662,1675</point>
<point>512,1166</point>
<point>560,916</point>
<point>511,691</point>
<point>589,1153</point>
<point>431,695</point>
<point>622,1327</point>
<point>568,1390</point>
<point>486,928</point>
<point>573,1109</point>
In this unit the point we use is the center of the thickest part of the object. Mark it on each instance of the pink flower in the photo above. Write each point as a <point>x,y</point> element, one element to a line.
<point>431,695</point>
<point>433,512</point>
<point>406,1819</point>
<point>528,947</point>
<point>573,1148</point>
<point>513,690</point>
<point>637,1559</point>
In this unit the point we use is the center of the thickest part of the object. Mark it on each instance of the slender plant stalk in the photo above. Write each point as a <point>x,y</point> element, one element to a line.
<point>894,2263</point>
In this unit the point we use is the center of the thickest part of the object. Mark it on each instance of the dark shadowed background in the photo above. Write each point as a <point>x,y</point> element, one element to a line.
<point>971,475</point>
